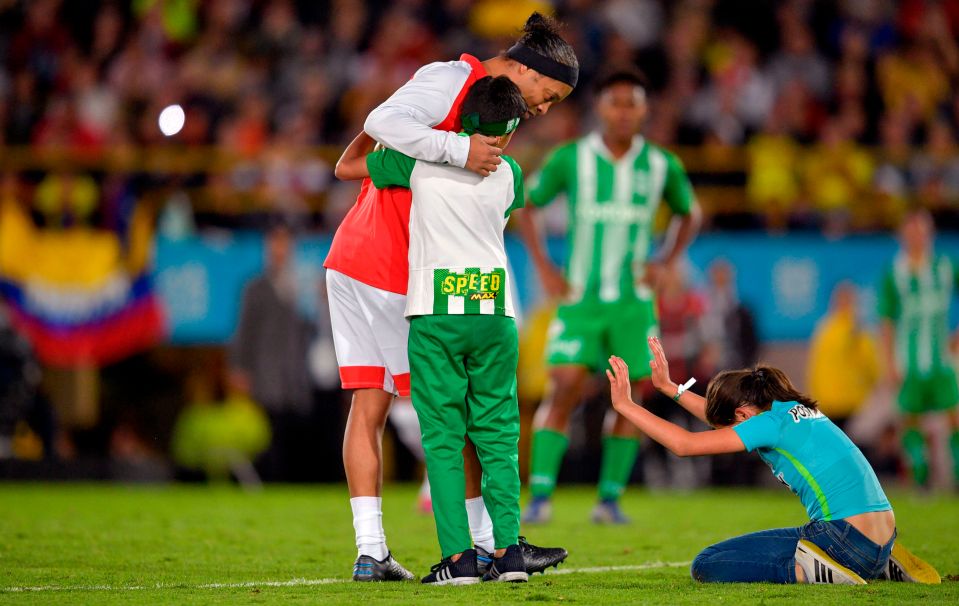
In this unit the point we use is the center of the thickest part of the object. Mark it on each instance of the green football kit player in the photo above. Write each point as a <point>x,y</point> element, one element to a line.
<point>613,181</point>
<point>914,301</point>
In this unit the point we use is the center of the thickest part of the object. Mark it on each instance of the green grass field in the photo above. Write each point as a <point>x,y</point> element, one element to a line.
<point>101,544</point>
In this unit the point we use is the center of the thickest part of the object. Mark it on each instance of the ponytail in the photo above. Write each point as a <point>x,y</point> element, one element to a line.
<point>760,386</point>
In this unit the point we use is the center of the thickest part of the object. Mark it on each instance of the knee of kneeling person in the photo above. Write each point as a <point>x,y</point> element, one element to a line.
<point>700,568</point>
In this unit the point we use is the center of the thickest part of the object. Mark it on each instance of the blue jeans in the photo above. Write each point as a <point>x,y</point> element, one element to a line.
<point>770,556</point>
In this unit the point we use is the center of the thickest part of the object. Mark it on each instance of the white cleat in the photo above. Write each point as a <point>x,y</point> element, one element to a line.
<point>820,569</point>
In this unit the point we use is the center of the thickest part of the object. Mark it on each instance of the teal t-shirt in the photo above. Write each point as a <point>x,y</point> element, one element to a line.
<point>815,459</point>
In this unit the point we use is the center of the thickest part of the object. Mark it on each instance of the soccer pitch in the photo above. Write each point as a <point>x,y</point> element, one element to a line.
<point>104,544</point>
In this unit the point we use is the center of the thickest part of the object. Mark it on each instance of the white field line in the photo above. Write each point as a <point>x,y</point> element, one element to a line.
<point>302,582</point>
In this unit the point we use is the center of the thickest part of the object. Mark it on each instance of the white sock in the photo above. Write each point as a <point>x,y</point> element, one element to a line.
<point>481,525</point>
<point>368,523</point>
<point>425,487</point>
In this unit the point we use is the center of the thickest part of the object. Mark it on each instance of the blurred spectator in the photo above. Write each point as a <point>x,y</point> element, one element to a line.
<point>935,171</point>
<point>23,409</point>
<point>836,175</point>
<point>219,435</point>
<point>892,180</point>
<point>739,95</point>
<point>682,313</point>
<point>732,341</point>
<point>268,358</point>
<point>798,60</point>
<point>913,80</point>
<point>772,185</point>
<point>843,366</point>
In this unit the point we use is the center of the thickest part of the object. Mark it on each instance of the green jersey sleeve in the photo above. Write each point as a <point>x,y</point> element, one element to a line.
<point>553,178</point>
<point>519,201</point>
<point>888,299</point>
<point>677,190</point>
<point>389,168</point>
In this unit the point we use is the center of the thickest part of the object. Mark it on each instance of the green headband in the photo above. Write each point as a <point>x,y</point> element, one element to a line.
<point>471,124</point>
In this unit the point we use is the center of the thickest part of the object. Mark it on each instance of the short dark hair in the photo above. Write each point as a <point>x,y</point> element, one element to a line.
<point>622,74</point>
<point>541,34</point>
<point>758,386</point>
<point>495,100</point>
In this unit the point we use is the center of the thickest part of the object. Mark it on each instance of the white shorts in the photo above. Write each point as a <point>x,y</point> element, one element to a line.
<point>370,331</point>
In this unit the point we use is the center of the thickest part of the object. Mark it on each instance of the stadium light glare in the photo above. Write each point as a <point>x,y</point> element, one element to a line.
<point>171,120</point>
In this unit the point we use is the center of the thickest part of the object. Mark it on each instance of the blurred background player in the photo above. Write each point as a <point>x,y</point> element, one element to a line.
<point>367,267</point>
<point>614,181</point>
<point>914,301</point>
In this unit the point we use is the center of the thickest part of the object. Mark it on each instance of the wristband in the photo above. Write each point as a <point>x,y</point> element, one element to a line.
<point>684,388</point>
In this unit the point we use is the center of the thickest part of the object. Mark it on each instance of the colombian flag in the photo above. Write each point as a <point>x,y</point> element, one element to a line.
<point>78,295</point>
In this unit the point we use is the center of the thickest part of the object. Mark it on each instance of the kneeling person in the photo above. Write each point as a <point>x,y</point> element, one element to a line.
<point>463,346</point>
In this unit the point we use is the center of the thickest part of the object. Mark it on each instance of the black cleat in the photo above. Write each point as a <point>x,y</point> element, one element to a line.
<point>367,568</point>
<point>461,572</point>
<point>538,559</point>
<point>510,568</point>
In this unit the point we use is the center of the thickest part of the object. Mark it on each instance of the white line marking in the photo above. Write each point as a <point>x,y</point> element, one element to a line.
<point>303,582</point>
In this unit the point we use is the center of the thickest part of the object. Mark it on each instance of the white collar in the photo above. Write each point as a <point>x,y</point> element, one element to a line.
<point>595,140</point>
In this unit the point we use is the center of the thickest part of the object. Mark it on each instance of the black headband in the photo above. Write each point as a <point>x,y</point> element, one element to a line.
<point>543,64</point>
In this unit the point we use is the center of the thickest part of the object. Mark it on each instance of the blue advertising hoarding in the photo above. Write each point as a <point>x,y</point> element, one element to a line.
<point>786,280</point>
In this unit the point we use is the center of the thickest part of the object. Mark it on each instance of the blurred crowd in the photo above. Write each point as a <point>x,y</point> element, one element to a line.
<point>791,114</point>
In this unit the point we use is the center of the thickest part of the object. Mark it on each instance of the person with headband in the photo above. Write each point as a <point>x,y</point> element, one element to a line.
<point>367,269</point>
<point>851,535</point>
<point>463,344</point>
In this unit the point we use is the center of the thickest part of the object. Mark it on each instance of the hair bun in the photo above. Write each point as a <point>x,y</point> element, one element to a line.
<point>538,22</point>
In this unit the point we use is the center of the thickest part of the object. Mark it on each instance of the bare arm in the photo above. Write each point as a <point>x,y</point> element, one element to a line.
<point>405,122</point>
<point>352,164</point>
<point>681,232</point>
<point>551,277</point>
<point>693,403</point>
<point>887,334</point>
<point>677,440</point>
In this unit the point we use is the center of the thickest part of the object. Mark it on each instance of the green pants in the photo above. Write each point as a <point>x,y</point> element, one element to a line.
<point>463,383</point>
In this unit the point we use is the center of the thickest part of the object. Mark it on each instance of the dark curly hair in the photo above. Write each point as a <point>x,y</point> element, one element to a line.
<point>494,99</point>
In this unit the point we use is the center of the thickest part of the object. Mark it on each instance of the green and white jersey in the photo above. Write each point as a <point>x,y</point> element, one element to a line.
<point>612,206</point>
<point>457,254</point>
<point>918,305</point>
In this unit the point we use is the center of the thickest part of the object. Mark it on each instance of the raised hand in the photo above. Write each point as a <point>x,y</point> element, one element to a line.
<point>619,386</point>
<point>484,156</point>
<point>660,367</point>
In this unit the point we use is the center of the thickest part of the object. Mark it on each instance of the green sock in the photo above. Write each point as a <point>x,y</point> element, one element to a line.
<point>619,455</point>
<point>549,447</point>
<point>915,447</point>
<point>954,447</point>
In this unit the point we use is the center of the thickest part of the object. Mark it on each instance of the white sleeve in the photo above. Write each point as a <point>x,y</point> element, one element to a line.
<point>404,121</point>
